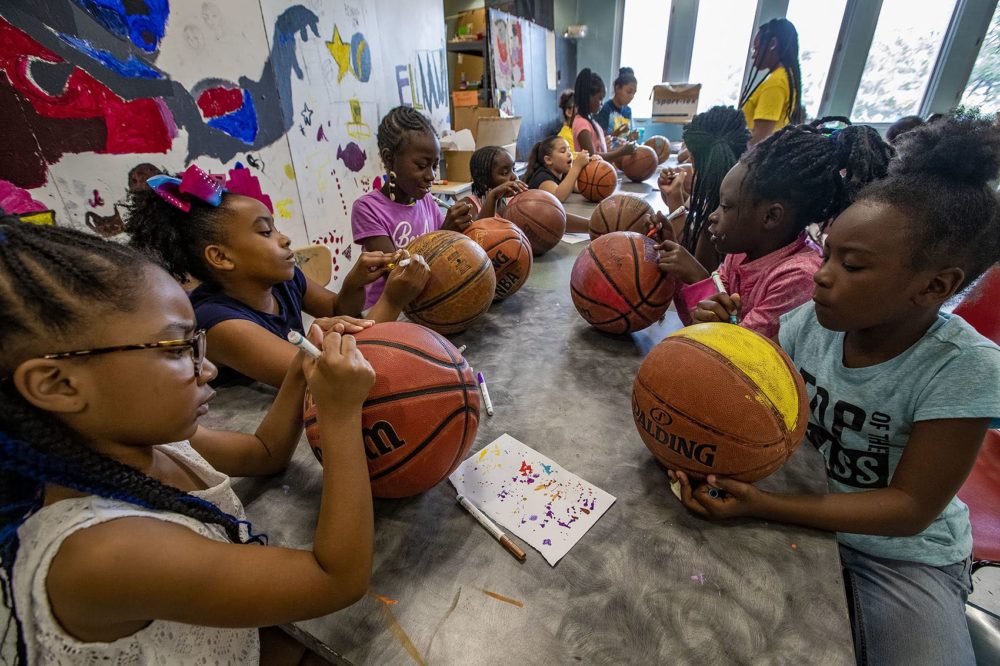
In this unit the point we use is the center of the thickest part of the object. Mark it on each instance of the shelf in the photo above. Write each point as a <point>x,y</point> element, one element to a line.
<point>477,47</point>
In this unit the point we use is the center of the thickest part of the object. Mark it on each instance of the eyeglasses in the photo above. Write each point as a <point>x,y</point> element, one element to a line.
<point>196,344</point>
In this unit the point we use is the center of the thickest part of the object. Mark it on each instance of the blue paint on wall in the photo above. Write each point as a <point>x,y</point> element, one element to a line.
<point>133,67</point>
<point>240,124</point>
<point>143,23</point>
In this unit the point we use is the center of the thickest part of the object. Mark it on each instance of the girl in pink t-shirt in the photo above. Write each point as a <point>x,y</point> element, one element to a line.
<point>389,217</point>
<point>789,181</point>
<point>587,134</point>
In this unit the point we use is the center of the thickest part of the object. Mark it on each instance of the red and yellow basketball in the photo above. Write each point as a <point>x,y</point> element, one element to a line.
<point>421,416</point>
<point>621,212</point>
<point>720,399</point>
<point>508,249</point>
<point>461,286</point>
<point>540,216</point>
<point>640,165</point>
<point>660,145</point>
<point>617,285</point>
<point>597,181</point>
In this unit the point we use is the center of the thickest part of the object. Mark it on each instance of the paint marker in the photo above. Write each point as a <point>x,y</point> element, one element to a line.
<point>497,533</point>
<point>717,280</point>
<point>716,493</point>
<point>486,393</point>
<point>672,216</point>
<point>402,264</point>
<point>439,202</point>
<point>302,343</point>
<point>461,350</point>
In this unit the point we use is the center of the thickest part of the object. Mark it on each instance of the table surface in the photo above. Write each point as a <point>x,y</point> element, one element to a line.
<point>649,583</point>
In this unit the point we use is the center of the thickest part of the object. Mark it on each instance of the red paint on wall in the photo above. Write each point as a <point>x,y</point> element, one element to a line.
<point>219,101</point>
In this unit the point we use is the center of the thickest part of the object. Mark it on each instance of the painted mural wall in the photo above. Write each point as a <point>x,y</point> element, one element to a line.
<point>96,93</point>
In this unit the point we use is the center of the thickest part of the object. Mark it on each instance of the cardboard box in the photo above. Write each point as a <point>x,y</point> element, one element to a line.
<point>675,102</point>
<point>471,24</point>
<point>489,129</point>
<point>465,98</point>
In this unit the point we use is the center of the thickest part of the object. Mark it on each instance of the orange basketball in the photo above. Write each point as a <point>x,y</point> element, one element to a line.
<point>509,250</point>
<point>660,145</point>
<point>540,216</point>
<point>597,181</point>
<point>461,286</point>
<point>640,165</point>
<point>420,417</point>
<point>720,399</point>
<point>621,212</point>
<point>617,285</point>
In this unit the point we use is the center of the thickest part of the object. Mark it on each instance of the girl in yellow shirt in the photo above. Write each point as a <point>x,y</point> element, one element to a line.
<point>775,101</point>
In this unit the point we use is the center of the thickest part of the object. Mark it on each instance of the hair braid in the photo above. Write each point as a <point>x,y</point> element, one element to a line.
<point>783,32</point>
<point>55,282</point>
<point>587,85</point>
<point>716,139</point>
<point>481,168</point>
<point>395,125</point>
<point>802,166</point>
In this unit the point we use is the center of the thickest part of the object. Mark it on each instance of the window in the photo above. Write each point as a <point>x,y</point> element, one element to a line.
<point>983,89</point>
<point>906,44</point>
<point>721,45</point>
<point>817,25</point>
<point>644,43</point>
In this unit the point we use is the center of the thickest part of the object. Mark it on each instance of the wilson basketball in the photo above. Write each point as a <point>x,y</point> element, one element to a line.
<point>641,164</point>
<point>597,181</point>
<point>420,417</point>
<point>660,145</point>
<point>720,399</point>
<point>616,284</point>
<point>621,212</point>
<point>540,216</point>
<point>508,249</point>
<point>461,286</point>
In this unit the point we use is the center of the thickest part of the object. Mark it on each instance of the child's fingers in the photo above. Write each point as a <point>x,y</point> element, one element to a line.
<point>315,335</point>
<point>726,301</point>
<point>688,495</point>
<point>710,311</point>
<point>737,303</point>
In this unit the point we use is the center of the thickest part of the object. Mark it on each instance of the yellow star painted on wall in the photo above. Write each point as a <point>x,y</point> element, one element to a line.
<point>341,53</point>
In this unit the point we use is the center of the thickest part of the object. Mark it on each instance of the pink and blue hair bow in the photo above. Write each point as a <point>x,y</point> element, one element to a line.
<point>196,183</point>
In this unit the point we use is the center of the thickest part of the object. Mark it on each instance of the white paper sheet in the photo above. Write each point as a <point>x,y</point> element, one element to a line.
<point>573,238</point>
<point>529,495</point>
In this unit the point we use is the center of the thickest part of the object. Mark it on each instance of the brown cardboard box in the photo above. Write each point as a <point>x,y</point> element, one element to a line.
<point>489,129</point>
<point>675,102</point>
<point>470,24</point>
<point>465,98</point>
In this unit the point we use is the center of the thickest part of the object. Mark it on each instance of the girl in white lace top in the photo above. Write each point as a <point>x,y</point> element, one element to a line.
<point>120,538</point>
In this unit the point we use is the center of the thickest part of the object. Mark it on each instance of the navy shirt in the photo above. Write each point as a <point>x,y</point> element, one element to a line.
<point>540,176</point>
<point>213,307</point>
<point>612,117</point>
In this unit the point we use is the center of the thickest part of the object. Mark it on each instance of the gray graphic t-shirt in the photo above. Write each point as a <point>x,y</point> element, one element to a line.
<point>861,418</point>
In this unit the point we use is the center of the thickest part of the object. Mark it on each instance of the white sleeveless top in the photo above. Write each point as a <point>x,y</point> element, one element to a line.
<point>161,642</point>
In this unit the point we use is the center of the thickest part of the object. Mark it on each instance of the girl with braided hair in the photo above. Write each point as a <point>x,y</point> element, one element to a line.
<point>493,181</point>
<point>775,100</point>
<point>121,539</point>
<point>716,139</point>
<point>795,178</point>
<point>251,293</point>
<point>900,393</point>
<point>399,209</point>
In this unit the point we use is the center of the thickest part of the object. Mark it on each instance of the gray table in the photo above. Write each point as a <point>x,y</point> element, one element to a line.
<point>649,584</point>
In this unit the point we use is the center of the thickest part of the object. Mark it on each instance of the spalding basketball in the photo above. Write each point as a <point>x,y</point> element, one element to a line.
<point>617,285</point>
<point>660,145</point>
<point>420,417</point>
<point>640,165</point>
<point>508,249</point>
<point>720,399</point>
<point>597,181</point>
<point>540,216</point>
<point>621,212</point>
<point>461,286</point>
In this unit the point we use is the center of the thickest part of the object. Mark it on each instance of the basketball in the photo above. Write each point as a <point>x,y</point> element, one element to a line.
<point>660,145</point>
<point>508,249</point>
<point>461,286</point>
<point>597,181</point>
<point>621,212</point>
<point>617,285</point>
<point>540,216</point>
<point>720,399</point>
<point>640,165</point>
<point>420,417</point>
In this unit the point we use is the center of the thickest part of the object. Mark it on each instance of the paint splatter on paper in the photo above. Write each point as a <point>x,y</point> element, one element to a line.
<point>530,495</point>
